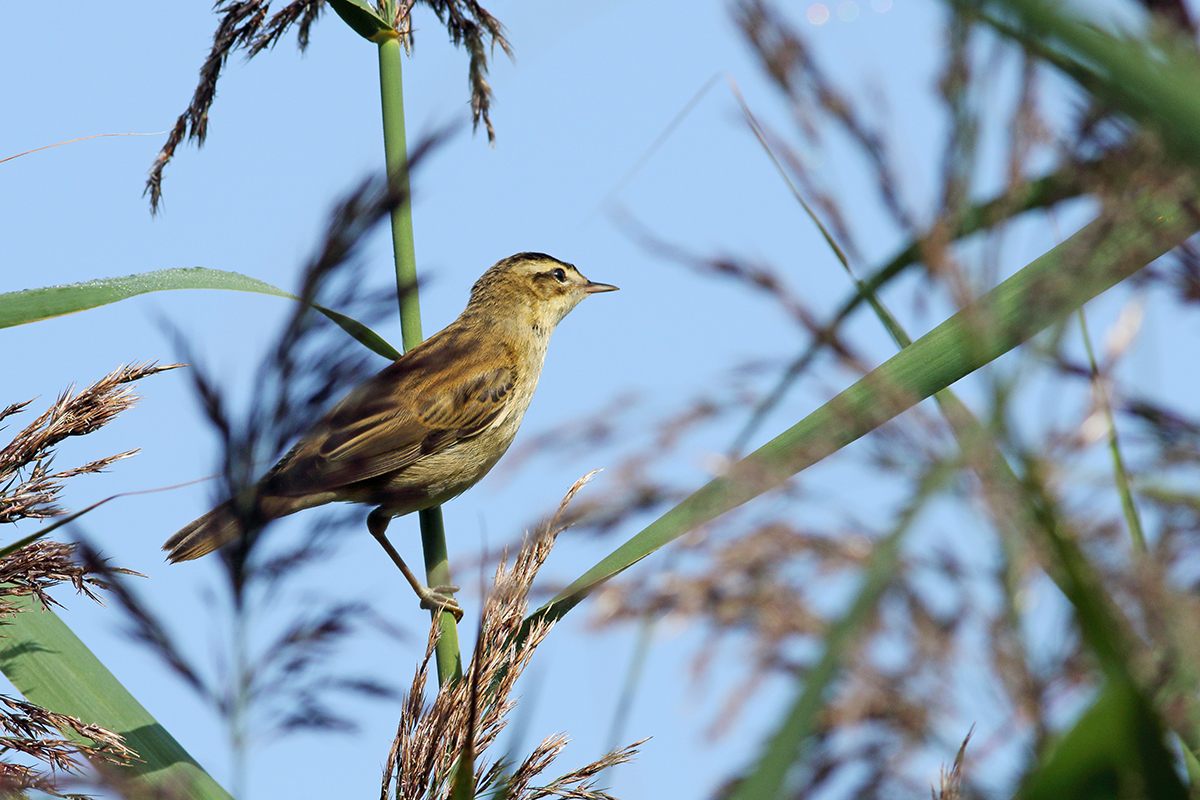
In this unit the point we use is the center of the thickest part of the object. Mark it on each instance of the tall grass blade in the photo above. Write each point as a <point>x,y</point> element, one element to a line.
<point>1120,474</point>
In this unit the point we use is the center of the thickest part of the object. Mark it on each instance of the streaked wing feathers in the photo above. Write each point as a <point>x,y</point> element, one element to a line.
<point>412,409</point>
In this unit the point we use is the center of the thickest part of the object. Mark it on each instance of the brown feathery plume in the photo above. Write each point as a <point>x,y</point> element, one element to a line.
<point>245,25</point>
<point>34,731</point>
<point>240,23</point>
<point>28,486</point>
<point>29,489</point>
<point>431,737</point>
<point>34,568</point>
<point>468,24</point>
<point>951,780</point>
<point>304,12</point>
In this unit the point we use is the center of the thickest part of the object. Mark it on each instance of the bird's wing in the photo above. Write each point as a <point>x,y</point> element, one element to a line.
<point>448,389</point>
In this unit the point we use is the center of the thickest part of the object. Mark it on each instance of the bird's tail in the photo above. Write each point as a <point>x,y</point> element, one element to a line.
<point>215,529</point>
<point>224,525</point>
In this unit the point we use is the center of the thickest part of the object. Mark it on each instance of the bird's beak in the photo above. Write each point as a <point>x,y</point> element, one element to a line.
<point>592,288</point>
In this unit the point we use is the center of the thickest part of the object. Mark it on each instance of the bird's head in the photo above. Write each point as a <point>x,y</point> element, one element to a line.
<point>535,284</point>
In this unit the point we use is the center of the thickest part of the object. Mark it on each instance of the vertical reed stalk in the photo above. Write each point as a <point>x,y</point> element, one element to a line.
<point>433,536</point>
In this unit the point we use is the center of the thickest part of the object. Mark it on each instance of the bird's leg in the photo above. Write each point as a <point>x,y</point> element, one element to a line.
<point>435,599</point>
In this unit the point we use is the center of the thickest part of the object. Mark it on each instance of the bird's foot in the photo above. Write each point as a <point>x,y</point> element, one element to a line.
<point>439,598</point>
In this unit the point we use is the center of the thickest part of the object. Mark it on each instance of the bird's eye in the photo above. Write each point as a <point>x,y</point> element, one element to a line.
<point>560,274</point>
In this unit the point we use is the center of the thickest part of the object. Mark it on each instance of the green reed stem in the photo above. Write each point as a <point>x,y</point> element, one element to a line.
<point>396,155</point>
<point>433,535</point>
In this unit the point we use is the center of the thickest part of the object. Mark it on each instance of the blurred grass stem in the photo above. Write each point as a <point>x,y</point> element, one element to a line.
<point>433,536</point>
<point>1114,446</point>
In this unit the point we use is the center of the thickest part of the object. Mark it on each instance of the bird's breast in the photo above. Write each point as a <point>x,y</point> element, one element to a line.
<point>438,477</point>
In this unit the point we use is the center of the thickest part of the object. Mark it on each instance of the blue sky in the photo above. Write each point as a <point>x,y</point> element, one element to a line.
<point>592,86</point>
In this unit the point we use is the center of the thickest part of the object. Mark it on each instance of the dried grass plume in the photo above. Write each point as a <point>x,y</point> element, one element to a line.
<point>29,489</point>
<point>468,715</point>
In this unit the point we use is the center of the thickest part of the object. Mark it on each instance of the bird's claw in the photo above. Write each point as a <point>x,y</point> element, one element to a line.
<point>438,598</point>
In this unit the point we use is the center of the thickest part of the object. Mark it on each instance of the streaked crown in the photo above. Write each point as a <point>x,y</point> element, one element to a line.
<point>538,282</point>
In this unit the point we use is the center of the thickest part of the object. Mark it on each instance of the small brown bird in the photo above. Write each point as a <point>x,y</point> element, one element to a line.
<point>427,427</point>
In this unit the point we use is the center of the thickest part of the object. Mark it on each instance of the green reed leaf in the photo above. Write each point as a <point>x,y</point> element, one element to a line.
<point>364,20</point>
<point>33,305</point>
<point>51,667</point>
